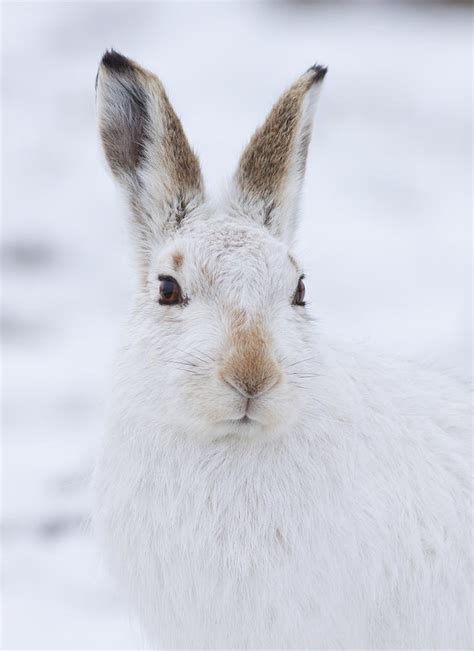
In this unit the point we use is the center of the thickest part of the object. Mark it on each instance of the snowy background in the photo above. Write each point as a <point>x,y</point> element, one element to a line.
<point>385,237</point>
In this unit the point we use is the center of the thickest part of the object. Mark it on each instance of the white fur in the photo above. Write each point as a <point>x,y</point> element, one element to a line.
<point>339,518</point>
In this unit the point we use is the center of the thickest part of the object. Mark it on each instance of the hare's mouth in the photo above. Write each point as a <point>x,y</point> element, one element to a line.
<point>244,420</point>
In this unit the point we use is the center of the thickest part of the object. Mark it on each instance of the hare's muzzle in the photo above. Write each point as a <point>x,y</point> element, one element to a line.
<point>249,366</point>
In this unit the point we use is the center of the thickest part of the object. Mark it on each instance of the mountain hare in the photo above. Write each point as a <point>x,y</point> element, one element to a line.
<point>258,486</point>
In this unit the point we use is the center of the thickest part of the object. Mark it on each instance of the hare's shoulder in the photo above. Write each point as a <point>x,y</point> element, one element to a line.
<point>394,386</point>
<point>402,414</point>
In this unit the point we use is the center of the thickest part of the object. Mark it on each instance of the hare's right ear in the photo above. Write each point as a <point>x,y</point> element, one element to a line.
<point>146,149</point>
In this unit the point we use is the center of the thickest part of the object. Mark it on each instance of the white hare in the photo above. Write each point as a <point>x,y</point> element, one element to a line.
<point>258,486</point>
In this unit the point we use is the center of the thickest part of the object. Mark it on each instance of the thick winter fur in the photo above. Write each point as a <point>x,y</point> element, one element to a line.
<point>260,487</point>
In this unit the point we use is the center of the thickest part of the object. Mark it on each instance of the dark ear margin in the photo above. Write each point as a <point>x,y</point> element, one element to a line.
<point>268,179</point>
<point>146,147</point>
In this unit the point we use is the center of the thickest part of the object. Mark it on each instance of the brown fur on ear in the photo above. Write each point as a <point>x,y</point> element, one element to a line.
<point>145,145</point>
<point>141,96</point>
<point>276,155</point>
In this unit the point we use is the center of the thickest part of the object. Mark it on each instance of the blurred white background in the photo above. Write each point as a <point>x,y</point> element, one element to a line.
<point>385,233</point>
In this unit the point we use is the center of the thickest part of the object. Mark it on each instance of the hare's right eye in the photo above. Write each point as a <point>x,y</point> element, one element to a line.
<point>170,291</point>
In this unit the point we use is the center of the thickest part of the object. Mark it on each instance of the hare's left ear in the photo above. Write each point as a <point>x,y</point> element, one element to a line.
<point>146,149</point>
<point>268,180</point>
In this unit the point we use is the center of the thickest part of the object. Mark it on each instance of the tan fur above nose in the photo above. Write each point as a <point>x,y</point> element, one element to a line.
<point>249,365</point>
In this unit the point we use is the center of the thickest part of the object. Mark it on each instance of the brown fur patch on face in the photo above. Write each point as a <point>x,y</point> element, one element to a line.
<point>249,366</point>
<point>177,260</point>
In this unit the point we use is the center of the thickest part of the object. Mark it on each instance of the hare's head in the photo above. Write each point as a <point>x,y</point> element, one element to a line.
<point>220,327</point>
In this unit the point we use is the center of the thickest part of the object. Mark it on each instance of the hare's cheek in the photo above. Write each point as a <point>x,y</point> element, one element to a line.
<point>203,400</point>
<point>280,409</point>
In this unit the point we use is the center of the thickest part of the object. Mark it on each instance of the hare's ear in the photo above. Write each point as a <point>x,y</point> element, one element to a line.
<point>146,148</point>
<point>268,180</point>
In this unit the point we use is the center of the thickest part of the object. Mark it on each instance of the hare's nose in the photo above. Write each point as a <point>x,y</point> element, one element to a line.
<point>250,373</point>
<point>249,365</point>
<point>251,387</point>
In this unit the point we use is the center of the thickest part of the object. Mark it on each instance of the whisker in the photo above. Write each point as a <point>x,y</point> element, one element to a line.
<point>193,372</point>
<point>209,357</point>
<point>197,356</point>
<point>304,375</point>
<point>299,386</point>
<point>301,361</point>
<point>179,361</point>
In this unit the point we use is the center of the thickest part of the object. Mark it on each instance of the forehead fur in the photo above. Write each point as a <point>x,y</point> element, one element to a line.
<point>233,246</point>
<point>227,256</point>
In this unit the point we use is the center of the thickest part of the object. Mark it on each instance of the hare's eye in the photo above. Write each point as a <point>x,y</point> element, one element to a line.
<point>170,291</point>
<point>298,298</point>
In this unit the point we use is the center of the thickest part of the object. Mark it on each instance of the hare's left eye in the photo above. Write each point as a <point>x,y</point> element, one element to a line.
<point>170,291</point>
<point>298,298</point>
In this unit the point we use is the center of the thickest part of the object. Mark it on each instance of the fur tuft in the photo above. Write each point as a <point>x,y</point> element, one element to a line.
<point>116,62</point>
<point>318,71</point>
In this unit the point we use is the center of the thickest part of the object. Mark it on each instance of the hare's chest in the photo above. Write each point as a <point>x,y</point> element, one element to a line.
<point>214,548</point>
<point>225,521</point>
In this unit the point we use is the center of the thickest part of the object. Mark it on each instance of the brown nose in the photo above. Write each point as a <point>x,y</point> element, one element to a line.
<point>251,387</point>
<point>249,366</point>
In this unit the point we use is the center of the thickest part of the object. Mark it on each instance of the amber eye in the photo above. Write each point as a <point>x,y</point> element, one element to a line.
<point>298,298</point>
<point>170,291</point>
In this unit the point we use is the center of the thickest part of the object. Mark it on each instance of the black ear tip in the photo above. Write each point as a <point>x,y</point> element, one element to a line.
<point>319,72</point>
<point>116,62</point>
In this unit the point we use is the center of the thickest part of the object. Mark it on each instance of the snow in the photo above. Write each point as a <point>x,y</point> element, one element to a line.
<point>385,237</point>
